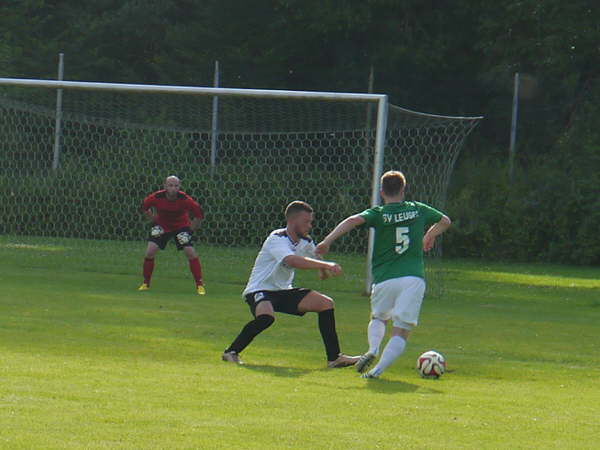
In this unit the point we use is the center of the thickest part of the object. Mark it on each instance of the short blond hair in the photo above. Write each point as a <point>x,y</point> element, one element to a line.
<point>393,183</point>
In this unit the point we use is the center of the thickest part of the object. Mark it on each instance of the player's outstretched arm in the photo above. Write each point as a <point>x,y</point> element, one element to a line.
<point>434,231</point>
<point>150,214</point>
<point>196,213</point>
<point>341,228</point>
<point>302,262</point>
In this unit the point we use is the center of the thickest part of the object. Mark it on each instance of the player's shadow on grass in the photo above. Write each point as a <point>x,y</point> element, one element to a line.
<point>384,386</point>
<point>280,371</point>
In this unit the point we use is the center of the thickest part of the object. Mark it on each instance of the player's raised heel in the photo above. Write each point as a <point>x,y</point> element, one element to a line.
<point>232,357</point>
<point>342,361</point>
<point>144,287</point>
<point>364,362</point>
<point>200,290</point>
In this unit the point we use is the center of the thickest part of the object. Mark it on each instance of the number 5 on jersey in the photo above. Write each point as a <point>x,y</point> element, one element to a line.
<point>402,239</point>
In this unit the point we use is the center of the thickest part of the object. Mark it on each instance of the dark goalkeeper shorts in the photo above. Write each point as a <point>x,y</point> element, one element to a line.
<point>182,238</point>
<point>285,301</point>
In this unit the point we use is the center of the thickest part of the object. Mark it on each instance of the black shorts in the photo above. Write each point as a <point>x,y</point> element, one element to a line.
<point>285,301</point>
<point>162,240</point>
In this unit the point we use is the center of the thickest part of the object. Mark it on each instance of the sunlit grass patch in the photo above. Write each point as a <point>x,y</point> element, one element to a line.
<point>87,361</point>
<point>530,279</point>
<point>36,247</point>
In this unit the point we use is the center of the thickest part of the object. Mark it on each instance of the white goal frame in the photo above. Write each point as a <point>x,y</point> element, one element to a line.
<point>381,100</point>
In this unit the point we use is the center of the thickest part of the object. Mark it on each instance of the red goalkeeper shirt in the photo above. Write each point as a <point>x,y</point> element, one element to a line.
<point>172,215</point>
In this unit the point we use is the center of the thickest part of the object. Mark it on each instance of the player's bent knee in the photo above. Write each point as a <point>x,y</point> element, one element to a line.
<point>401,327</point>
<point>190,253</point>
<point>151,251</point>
<point>326,303</point>
<point>264,321</point>
<point>322,300</point>
<point>315,302</point>
<point>402,332</point>
<point>264,308</point>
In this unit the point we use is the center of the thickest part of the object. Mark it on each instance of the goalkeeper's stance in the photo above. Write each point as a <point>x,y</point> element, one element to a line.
<point>169,210</point>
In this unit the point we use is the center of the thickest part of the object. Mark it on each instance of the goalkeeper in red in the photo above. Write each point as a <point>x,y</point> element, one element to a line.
<point>169,210</point>
<point>403,230</point>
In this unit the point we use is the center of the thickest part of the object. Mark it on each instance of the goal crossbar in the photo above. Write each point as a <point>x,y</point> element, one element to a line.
<point>381,100</point>
<point>157,88</point>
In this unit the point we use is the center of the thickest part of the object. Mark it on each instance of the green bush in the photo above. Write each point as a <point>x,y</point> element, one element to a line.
<point>551,212</point>
<point>88,204</point>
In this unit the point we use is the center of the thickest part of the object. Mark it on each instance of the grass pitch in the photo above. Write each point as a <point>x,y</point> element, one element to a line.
<point>87,361</point>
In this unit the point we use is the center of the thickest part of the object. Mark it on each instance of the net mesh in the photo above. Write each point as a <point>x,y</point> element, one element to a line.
<point>117,147</point>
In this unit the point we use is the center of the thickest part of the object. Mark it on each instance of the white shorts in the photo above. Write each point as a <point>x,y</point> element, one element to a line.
<point>398,299</point>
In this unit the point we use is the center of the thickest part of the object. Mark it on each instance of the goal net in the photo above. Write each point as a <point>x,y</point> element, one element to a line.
<point>243,162</point>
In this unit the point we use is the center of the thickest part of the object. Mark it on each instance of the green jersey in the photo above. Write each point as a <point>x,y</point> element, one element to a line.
<point>399,230</point>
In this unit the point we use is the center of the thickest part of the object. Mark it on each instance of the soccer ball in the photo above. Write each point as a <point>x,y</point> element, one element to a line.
<point>431,364</point>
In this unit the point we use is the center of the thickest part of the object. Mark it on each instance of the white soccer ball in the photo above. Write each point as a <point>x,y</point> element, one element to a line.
<point>431,364</point>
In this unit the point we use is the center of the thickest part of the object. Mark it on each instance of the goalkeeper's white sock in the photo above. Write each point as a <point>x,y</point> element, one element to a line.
<point>375,334</point>
<point>394,348</point>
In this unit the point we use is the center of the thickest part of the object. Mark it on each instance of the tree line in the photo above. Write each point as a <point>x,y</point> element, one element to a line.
<point>447,57</point>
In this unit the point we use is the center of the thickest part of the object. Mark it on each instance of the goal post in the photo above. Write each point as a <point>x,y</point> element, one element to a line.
<point>382,116</point>
<point>274,146</point>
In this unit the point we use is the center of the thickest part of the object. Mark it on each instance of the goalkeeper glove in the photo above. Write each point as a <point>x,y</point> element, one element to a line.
<point>156,231</point>
<point>185,237</point>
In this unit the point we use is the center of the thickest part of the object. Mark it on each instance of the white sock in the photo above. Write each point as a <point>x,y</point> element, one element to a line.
<point>375,333</point>
<point>394,348</point>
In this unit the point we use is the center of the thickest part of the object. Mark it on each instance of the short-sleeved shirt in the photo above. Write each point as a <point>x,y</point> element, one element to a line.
<point>173,214</point>
<point>270,273</point>
<point>399,230</point>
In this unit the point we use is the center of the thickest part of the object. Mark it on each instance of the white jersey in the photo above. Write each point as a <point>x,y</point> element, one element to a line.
<point>270,273</point>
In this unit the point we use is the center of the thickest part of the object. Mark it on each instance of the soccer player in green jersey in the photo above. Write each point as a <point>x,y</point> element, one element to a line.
<point>403,230</point>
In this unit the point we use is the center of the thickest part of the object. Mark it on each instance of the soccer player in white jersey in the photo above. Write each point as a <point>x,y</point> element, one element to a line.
<point>270,290</point>
<point>403,230</point>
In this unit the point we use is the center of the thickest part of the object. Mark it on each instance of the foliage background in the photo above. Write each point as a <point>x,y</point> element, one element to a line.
<point>448,57</point>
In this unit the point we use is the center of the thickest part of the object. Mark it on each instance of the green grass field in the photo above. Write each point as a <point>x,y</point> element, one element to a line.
<point>87,361</point>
